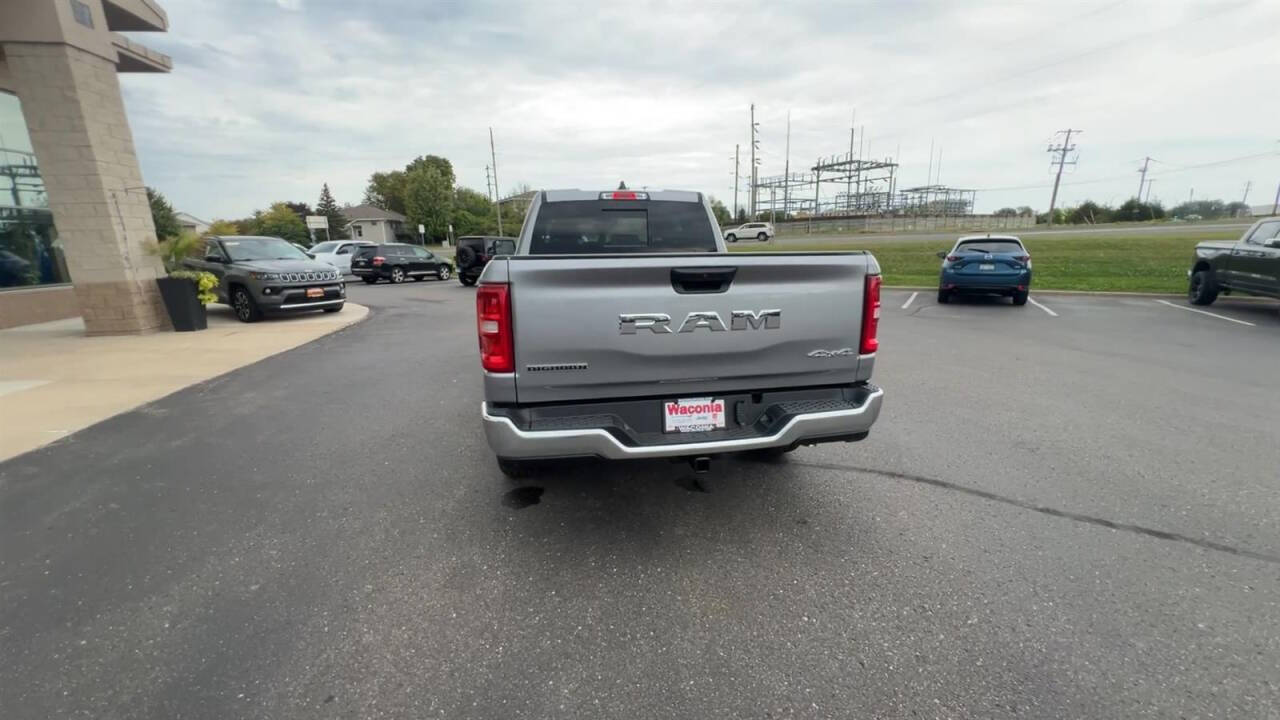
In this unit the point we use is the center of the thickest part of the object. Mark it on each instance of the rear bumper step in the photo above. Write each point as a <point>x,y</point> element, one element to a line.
<point>851,421</point>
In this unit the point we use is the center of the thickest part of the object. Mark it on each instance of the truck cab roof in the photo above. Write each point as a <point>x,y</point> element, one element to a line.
<point>576,194</point>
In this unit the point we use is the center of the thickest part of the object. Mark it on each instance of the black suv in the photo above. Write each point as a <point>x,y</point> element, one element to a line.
<point>475,252</point>
<point>398,263</point>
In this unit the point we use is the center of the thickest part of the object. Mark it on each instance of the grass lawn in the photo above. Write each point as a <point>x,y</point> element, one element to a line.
<point>1140,263</point>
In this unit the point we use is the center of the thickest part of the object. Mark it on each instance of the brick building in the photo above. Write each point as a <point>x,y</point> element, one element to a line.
<point>74,218</point>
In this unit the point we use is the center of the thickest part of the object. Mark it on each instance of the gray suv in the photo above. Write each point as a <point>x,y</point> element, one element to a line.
<point>259,275</point>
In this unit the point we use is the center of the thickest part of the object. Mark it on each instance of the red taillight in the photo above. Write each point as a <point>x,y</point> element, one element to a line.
<point>952,258</point>
<point>870,316</point>
<point>1022,258</point>
<point>379,260</point>
<point>493,321</point>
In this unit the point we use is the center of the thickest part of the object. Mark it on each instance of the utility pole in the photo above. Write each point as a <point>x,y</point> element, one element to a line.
<point>755,145</point>
<point>862,135</point>
<point>1143,180</point>
<point>1191,195</point>
<point>497,194</point>
<point>786,171</point>
<point>1062,151</point>
<point>817,185</point>
<point>735,182</point>
<point>1247,187</point>
<point>1275,206</point>
<point>488,184</point>
<point>1150,182</point>
<point>848,183</point>
<point>928,180</point>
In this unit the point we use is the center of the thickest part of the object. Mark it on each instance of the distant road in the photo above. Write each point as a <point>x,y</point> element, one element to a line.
<point>1171,229</point>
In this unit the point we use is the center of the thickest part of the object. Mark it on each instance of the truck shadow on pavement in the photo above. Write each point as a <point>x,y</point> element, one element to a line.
<point>649,508</point>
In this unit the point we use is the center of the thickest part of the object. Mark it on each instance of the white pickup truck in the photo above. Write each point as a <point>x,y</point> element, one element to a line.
<point>621,328</point>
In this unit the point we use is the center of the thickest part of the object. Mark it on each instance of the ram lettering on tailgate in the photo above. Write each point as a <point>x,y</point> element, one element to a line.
<point>660,323</point>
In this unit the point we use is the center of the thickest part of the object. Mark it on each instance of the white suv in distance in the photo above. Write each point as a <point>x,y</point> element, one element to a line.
<point>758,230</point>
<point>337,253</point>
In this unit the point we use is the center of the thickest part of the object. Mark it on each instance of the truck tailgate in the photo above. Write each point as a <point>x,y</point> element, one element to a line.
<point>591,328</point>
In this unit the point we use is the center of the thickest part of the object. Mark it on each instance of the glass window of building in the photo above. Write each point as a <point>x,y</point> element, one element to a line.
<point>30,253</point>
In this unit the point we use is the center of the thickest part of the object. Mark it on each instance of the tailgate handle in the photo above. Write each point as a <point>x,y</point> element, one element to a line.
<point>699,281</point>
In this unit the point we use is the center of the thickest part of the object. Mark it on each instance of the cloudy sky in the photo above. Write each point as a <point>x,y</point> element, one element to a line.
<point>267,100</point>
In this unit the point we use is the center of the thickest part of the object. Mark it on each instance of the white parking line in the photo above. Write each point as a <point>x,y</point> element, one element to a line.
<point>1042,307</point>
<point>910,300</point>
<point>1205,312</point>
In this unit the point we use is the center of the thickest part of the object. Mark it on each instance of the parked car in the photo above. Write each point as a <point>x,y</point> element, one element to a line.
<point>398,262</point>
<point>986,264</point>
<point>260,275</point>
<point>758,230</point>
<point>338,253</point>
<point>1249,265</point>
<point>621,328</point>
<point>476,252</point>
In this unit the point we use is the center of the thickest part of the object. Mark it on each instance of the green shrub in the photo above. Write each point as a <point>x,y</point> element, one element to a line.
<point>205,283</point>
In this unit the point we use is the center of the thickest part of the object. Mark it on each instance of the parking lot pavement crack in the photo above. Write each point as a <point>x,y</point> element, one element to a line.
<point>1055,512</point>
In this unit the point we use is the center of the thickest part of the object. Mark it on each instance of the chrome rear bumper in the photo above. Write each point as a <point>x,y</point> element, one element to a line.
<point>509,441</point>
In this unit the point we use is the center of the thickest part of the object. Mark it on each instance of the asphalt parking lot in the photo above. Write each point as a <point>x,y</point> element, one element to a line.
<point>1067,509</point>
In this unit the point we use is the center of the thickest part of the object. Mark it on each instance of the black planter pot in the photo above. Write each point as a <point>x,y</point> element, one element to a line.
<point>185,310</point>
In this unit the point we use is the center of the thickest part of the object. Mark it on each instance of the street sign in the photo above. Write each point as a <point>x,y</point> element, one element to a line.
<point>317,222</point>
<point>421,228</point>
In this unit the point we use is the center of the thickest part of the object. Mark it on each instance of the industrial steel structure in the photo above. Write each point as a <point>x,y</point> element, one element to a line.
<point>863,187</point>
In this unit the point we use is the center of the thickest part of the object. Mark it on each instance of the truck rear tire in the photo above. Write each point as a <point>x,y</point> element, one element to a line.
<point>1202,289</point>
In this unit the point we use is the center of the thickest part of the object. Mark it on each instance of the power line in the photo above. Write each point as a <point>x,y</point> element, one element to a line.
<point>755,145</point>
<point>1111,178</point>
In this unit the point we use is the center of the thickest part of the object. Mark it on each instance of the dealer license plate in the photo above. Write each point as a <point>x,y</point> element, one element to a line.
<point>693,415</point>
<point>986,266</point>
<point>315,292</point>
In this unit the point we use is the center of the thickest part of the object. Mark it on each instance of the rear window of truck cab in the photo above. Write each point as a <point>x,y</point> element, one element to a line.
<point>577,227</point>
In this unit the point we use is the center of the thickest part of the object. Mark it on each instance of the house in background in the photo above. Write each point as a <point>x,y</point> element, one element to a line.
<point>187,221</point>
<point>372,223</point>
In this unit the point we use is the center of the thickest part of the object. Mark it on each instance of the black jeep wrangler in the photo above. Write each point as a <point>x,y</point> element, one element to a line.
<point>474,253</point>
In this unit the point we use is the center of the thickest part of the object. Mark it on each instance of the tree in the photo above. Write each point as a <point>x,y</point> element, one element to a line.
<point>386,190</point>
<point>742,215</point>
<point>1238,209</point>
<point>442,165</point>
<point>328,207</point>
<point>282,222</point>
<point>222,227</point>
<point>1005,212</point>
<point>428,200</point>
<point>1026,210</point>
<point>1089,212</point>
<point>1134,210</point>
<point>1207,209</point>
<point>162,215</point>
<point>472,213</point>
<point>721,212</point>
<point>1059,217</point>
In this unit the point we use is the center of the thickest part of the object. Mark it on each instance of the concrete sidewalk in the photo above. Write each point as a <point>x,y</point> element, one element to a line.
<point>54,380</point>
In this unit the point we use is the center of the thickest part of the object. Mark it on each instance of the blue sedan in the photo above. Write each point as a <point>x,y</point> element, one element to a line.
<point>986,264</point>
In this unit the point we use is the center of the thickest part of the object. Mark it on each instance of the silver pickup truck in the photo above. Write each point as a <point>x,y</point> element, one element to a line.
<point>621,328</point>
